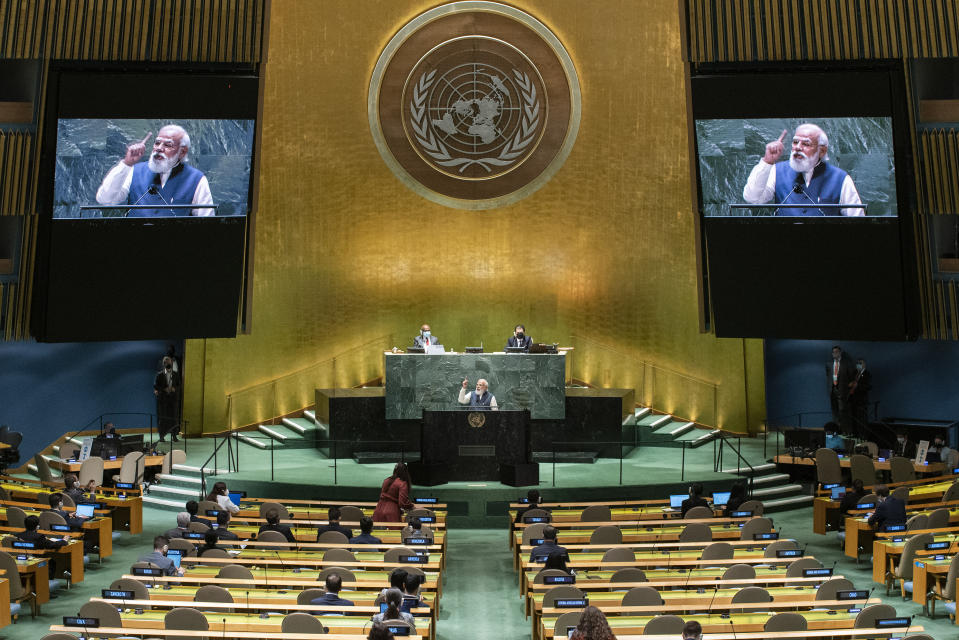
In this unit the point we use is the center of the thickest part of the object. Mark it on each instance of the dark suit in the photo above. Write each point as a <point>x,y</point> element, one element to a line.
<point>40,540</point>
<point>201,521</point>
<point>889,511</point>
<point>73,522</point>
<point>226,534</point>
<point>175,532</point>
<point>365,538</point>
<point>859,402</point>
<point>281,528</point>
<point>849,501</point>
<point>330,598</point>
<point>905,449</point>
<point>168,403</point>
<point>839,392</point>
<point>515,342</point>
<point>420,341</point>
<point>334,527</point>
<point>691,502</point>
<point>548,547</point>
<point>522,512</point>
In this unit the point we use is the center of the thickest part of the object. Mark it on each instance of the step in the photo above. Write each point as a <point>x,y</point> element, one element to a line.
<point>642,412</point>
<point>675,429</point>
<point>771,478</point>
<point>310,415</point>
<point>700,437</point>
<point>174,480</point>
<point>165,491</point>
<point>253,442</point>
<point>757,468</point>
<point>655,421</point>
<point>163,503</point>
<point>299,425</point>
<point>273,432</point>
<point>790,502</point>
<point>759,494</point>
<point>185,469</point>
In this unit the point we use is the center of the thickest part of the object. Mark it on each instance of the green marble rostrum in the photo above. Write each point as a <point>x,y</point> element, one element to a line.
<point>415,382</point>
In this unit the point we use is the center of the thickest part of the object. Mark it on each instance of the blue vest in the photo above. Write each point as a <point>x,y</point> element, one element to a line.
<point>825,187</point>
<point>179,189</point>
<point>481,402</point>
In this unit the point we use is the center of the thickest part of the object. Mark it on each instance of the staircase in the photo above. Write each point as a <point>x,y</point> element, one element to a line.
<point>653,428</point>
<point>773,488</point>
<point>296,433</point>
<point>173,490</point>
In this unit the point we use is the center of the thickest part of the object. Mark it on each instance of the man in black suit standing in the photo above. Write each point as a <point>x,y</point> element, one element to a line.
<point>840,373</point>
<point>889,511</point>
<point>166,388</point>
<point>519,339</point>
<point>859,398</point>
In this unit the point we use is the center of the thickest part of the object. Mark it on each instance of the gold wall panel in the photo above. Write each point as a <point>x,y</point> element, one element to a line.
<point>606,251</point>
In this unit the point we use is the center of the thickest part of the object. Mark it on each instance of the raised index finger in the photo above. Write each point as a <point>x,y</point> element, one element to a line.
<point>147,137</point>
<point>782,135</point>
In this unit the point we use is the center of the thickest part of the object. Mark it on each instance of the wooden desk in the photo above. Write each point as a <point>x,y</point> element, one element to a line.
<point>74,467</point>
<point>295,560</point>
<point>4,599</point>
<point>35,574</point>
<point>924,571</point>
<point>71,553</point>
<point>229,633</point>
<point>276,579</point>
<point>885,465</point>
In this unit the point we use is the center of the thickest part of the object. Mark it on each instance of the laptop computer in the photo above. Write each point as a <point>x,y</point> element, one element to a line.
<point>237,496</point>
<point>435,348</point>
<point>176,556</point>
<point>85,510</point>
<point>676,500</point>
<point>720,498</point>
<point>837,492</point>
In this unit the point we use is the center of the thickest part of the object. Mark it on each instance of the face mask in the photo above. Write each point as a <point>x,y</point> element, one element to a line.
<point>168,366</point>
<point>426,334</point>
<point>901,440</point>
<point>858,367</point>
<point>520,335</point>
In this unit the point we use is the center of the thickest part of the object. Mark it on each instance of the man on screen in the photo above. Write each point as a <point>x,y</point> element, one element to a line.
<point>165,179</point>
<point>805,181</point>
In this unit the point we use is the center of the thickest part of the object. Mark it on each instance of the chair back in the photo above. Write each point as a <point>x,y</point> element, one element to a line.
<point>751,594</point>
<point>718,551</point>
<point>333,537</point>
<point>873,449</point>
<point>667,625</point>
<point>642,597</point>
<point>795,569</point>
<point>173,457</point>
<point>69,451</point>
<point>596,513</point>
<point>828,589</point>
<point>568,619</point>
<point>339,555</point>
<point>952,493</point>
<point>828,470</point>
<point>740,572</point>
<point>868,616</point>
<point>48,518</point>
<point>538,513</point>
<point>270,536</point>
<point>698,513</point>
<point>184,545</point>
<point>619,555</point>
<point>949,589</point>
<point>15,517</point>
<point>43,469</point>
<point>199,527</point>
<point>901,493</point>
<point>207,505</point>
<point>91,469</point>
<point>918,521</point>
<point>215,553</point>
<point>68,501</point>
<point>351,514</point>
<point>345,574</point>
<point>236,572</point>
<point>533,531</point>
<point>628,574</point>
<point>862,468</point>
<point>140,591</point>
<point>779,545</point>
<point>107,613</point>
<point>902,471</point>
<point>185,619</point>
<point>133,467</point>
<point>938,519</point>
<point>561,592</point>
<point>785,622</point>
<point>544,573</point>
<point>755,525</point>
<point>70,636</point>
<point>696,532</point>
<point>212,593</point>
<point>394,553</point>
<point>309,595</point>
<point>301,623</point>
<point>606,534</point>
<point>913,544</point>
<point>755,506</point>
<point>9,567</point>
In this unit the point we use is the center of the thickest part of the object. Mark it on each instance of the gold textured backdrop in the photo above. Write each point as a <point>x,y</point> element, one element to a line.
<point>348,261</point>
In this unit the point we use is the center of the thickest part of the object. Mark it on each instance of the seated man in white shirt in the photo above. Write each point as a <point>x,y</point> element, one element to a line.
<point>804,181</point>
<point>481,398</point>
<point>165,179</point>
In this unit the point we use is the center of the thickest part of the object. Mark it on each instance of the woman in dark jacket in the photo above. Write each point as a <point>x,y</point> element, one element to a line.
<point>394,496</point>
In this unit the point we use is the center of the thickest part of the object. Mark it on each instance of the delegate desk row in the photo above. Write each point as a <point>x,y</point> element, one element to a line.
<point>860,535</point>
<point>99,528</point>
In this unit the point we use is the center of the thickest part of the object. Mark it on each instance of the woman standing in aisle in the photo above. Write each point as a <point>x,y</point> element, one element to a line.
<point>394,496</point>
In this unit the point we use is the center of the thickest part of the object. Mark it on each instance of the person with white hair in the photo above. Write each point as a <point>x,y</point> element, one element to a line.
<point>165,179</point>
<point>480,398</point>
<point>805,180</point>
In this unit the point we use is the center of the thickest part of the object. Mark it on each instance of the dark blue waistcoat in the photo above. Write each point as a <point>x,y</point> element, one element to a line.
<point>481,402</point>
<point>179,189</point>
<point>825,187</point>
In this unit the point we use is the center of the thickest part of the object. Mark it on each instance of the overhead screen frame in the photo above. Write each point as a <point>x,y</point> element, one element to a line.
<point>207,294</point>
<point>758,308</point>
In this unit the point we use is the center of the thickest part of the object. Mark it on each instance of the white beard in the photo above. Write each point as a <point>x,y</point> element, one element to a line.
<point>802,165</point>
<point>164,165</point>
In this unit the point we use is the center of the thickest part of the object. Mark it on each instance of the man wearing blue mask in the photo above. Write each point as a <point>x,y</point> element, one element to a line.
<point>426,338</point>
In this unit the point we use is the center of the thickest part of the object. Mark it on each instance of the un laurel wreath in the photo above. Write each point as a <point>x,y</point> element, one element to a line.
<point>474,104</point>
<point>476,419</point>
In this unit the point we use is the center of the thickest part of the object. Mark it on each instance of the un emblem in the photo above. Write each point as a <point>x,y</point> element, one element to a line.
<point>476,419</point>
<point>474,104</point>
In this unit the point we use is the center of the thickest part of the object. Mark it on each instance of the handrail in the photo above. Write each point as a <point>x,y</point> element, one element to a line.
<point>718,459</point>
<point>646,388</point>
<point>230,466</point>
<point>304,380</point>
